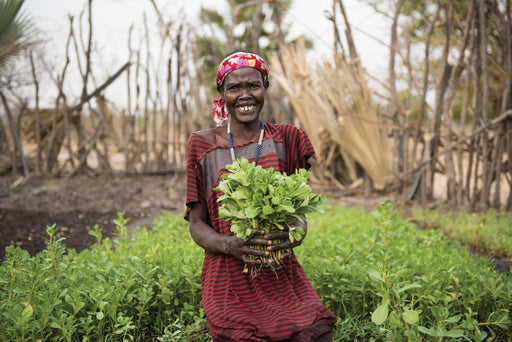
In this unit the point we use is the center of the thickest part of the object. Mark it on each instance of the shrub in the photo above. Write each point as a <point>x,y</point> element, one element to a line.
<point>385,279</point>
<point>388,280</point>
<point>147,285</point>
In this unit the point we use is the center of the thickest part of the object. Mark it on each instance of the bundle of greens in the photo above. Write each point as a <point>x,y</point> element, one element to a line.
<point>258,198</point>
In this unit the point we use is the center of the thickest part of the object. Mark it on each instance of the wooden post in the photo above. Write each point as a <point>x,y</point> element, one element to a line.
<point>37,119</point>
<point>15,134</point>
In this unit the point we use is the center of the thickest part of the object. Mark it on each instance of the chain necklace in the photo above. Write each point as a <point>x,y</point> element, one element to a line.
<point>260,141</point>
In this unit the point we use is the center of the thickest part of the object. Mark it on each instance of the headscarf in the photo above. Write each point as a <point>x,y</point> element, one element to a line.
<point>235,61</point>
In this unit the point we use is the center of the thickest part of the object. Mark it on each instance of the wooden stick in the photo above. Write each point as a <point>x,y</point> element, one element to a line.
<point>15,135</point>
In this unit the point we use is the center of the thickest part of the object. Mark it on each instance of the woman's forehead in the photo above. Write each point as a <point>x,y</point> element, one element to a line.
<point>242,74</point>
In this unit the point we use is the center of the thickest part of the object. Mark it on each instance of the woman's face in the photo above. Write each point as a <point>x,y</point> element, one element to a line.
<point>244,94</point>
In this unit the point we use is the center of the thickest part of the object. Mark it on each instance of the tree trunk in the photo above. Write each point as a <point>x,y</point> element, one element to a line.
<point>146,99</point>
<point>451,187</point>
<point>76,116</point>
<point>486,172</point>
<point>15,134</point>
<point>393,46</point>
<point>36,116</point>
<point>441,86</point>
<point>128,132</point>
<point>423,100</point>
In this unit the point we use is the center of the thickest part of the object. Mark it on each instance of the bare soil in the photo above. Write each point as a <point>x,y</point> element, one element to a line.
<point>76,204</point>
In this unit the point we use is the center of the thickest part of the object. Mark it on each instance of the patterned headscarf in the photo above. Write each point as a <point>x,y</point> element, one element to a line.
<point>235,61</point>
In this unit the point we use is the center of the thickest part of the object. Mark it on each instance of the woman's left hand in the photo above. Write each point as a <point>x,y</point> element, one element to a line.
<point>285,245</point>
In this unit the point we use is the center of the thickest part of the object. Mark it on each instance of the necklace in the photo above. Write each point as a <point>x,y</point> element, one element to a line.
<point>260,140</point>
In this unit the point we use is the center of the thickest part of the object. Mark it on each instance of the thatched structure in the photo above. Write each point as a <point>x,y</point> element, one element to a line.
<point>336,109</point>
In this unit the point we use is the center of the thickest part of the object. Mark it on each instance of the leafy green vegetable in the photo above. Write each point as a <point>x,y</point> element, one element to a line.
<point>261,198</point>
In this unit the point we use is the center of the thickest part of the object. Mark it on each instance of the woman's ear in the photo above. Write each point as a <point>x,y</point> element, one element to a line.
<point>266,84</point>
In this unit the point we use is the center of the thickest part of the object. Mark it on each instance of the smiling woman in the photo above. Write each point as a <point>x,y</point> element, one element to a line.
<point>279,304</point>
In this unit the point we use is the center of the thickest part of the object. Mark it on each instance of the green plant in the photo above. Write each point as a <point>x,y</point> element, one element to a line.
<point>383,277</point>
<point>489,231</point>
<point>392,281</point>
<point>127,294</point>
<point>258,198</point>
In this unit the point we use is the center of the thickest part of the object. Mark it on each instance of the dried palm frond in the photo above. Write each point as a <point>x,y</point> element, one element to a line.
<point>336,107</point>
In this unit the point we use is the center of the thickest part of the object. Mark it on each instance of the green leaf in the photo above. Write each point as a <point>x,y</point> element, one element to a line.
<point>26,314</point>
<point>276,200</point>
<point>374,274</point>
<point>380,314</point>
<point>252,212</point>
<point>267,210</point>
<point>296,234</point>
<point>288,206</point>
<point>411,316</point>
<point>409,286</point>
<point>453,333</point>
<point>426,331</point>
<point>100,315</point>
<point>272,199</point>
<point>453,319</point>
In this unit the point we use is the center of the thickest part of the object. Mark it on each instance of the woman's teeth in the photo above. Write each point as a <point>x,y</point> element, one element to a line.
<point>246,108</point>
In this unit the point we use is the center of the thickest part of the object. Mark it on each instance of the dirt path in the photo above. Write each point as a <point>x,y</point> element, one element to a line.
<point>75,205</point>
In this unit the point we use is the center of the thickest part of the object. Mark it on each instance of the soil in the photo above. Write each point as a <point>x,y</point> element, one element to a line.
<point>76,204</point>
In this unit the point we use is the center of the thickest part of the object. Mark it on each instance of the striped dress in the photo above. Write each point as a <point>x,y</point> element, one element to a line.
<point>277,305</point>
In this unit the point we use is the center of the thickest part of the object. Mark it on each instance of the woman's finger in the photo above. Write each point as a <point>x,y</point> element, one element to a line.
<point>285,244</point>
<point>258,241</point>
<point>276,235</point>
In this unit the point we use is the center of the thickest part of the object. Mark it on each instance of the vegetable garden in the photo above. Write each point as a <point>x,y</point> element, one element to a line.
<point>383,277</point>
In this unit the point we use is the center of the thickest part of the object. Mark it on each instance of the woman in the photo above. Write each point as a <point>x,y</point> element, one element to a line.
<point>277,305</point>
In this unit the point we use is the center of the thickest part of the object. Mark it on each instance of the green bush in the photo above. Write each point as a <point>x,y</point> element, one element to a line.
<point>147,285</point>
<point>385,280</point>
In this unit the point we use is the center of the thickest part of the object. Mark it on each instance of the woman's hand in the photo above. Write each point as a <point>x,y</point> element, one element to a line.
<point>281,242</point>
<point>260,245</point>
<point>243,250</point>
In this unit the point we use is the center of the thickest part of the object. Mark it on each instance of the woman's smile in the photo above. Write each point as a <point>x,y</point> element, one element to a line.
<point>246,108</point>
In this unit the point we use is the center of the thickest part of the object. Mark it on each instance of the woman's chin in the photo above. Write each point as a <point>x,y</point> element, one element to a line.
<point>246,117</point>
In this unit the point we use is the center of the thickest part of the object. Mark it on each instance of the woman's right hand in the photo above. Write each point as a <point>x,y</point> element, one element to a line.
<point>206,237</point>
<point>243,250</point>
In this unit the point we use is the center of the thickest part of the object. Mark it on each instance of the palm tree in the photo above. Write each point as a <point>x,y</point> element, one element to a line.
<point>14,31</point>
<point>14,38</point>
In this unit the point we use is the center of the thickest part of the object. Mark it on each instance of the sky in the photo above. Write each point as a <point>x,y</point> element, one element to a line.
<point>112,19</point>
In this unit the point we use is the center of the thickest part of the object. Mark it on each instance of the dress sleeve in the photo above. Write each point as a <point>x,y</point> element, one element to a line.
<point>195,193</point>
<point>299,148</point>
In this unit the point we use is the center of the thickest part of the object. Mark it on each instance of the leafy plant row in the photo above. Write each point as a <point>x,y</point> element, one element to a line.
<point>147,286</point>
<point>488,231</point>
<point>385,280</point>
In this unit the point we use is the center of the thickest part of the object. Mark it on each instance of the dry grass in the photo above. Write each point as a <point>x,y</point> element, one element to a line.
<point>335,108</point>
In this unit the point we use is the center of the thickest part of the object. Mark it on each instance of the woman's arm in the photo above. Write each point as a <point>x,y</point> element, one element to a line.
<point>213,242</point>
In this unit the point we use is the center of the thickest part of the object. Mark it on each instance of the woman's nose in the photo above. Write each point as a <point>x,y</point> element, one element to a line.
<point>245,91</point>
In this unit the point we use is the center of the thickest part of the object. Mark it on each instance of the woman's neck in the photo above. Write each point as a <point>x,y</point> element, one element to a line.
<point>243,133</point>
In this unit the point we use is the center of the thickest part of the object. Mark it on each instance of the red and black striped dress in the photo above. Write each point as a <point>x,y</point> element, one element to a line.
<point>276,305</point>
